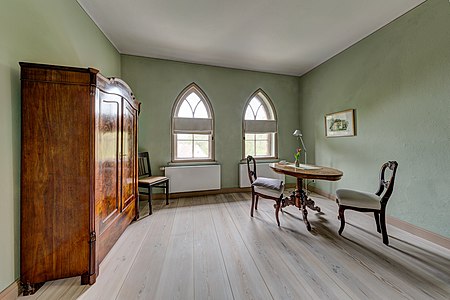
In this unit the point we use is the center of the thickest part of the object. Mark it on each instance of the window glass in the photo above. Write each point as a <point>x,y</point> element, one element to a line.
<point>185,110</point>
<point>257,143</point>
<point>192,140</point>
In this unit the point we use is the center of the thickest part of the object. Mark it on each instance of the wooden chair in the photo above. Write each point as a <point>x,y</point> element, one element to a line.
<point>264,187</point>
<point>369,202</point>
<point>147,181</point>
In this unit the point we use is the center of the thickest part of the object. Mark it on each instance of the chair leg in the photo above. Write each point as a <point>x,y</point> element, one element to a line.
<point>150,200</point>
<point>277,210</point>
<point>342,218</point>
<point>377,220</point>
<point>383,228</point>
<point>253,205</point>
<point>167,193</point>
<point>256,202</point>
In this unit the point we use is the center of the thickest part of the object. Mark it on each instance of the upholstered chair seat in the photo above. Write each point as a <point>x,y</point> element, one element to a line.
<point>369,202</point>
<point>267,188</point>
<point>358,199</point>
<point>269,192</point>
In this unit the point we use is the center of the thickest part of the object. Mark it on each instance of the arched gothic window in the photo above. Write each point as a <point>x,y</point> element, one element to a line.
<point>192,126</point>
<point>259,127</point>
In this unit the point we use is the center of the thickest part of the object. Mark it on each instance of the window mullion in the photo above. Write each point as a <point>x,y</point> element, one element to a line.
<point>257,110</point>
<point>190,107</point>
<point>195,108</point>
<point>253,112</point>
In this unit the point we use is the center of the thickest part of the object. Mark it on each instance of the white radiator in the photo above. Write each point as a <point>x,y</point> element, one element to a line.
<point>262,169</point>
<point>193,178</point>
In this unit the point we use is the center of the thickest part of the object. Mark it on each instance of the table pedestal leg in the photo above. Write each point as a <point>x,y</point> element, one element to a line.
<point>304,202</point>
<point>311,204</point>
<point>300,200</point>
<point>305,215</point>
<point>302,197</point>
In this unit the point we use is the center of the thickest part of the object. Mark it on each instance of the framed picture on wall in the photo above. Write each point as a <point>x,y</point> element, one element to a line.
<point>340,123</point>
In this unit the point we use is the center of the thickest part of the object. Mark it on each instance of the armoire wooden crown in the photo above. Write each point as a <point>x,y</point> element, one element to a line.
<point>78,171</point>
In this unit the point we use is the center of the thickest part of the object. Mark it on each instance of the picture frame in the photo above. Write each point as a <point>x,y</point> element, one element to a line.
<point>341,123</point>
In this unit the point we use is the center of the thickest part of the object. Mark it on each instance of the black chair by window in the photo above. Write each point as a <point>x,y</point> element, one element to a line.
<point>369,202</point>
<point>147,181</point>
<point>264,187</point>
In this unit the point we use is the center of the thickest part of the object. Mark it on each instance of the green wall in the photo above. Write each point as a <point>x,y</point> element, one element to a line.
<point>398,81</point>
<point>45,31</point>
<point>157,83</point>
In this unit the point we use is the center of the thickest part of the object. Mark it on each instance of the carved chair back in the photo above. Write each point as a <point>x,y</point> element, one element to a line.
<point>251,168</point>
<point>144,169</point>
<point>387,183</point>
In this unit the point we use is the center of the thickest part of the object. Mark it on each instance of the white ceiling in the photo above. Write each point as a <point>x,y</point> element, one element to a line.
<point>284,36</point>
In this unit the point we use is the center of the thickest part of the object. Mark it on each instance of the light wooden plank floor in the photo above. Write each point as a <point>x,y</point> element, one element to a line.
<point>210,248</point>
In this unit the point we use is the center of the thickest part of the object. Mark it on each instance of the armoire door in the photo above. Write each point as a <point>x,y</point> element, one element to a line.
<point>55,182</point>
<point>129,146</point>
<point>108,204</point>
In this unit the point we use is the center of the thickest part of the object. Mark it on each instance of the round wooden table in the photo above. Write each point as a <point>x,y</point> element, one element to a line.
<point>299,198</point>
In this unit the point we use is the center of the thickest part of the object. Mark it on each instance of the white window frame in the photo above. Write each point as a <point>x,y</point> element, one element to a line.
<point>192,125</point>
<point>269,126</point>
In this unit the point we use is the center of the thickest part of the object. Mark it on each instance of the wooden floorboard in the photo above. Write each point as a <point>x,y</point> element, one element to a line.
<point>177,275</point>
<point>208,247</point>
<point>264,247</point>
<point>151,257</point>
<point>245,279</point>
<point>210,274</point>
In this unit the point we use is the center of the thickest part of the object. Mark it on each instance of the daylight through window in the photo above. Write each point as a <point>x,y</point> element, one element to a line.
<point>259,127</point>
<point>192,126</point>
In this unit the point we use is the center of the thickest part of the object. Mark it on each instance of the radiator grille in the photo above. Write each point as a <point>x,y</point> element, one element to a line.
<point>193,178</point>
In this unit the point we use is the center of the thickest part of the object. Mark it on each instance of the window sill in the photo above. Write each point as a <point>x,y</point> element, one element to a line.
<point>192,163</point>
<point>262,160</point>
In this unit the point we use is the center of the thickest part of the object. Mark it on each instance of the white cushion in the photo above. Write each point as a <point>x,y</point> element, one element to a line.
<point>269,192</point>
<point>358,199</point>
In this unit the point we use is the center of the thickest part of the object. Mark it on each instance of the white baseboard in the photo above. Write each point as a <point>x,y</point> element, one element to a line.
<point>420,232</point>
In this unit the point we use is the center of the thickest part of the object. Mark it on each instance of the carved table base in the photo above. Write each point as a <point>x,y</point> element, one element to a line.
<point>299,199</point>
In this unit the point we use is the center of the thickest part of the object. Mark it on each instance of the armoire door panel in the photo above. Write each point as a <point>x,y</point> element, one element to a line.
<point>108,203</point>
<point>128,153</point>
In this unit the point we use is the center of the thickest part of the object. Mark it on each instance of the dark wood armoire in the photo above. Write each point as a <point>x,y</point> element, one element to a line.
<point>78,171</point>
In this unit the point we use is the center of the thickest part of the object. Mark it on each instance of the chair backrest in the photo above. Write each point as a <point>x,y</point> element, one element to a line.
<point>144,164</point>
<point>387,184</point>
<point>251,168</point>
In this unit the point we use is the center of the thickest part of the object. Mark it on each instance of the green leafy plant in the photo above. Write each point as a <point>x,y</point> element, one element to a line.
<point>297,154</point>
